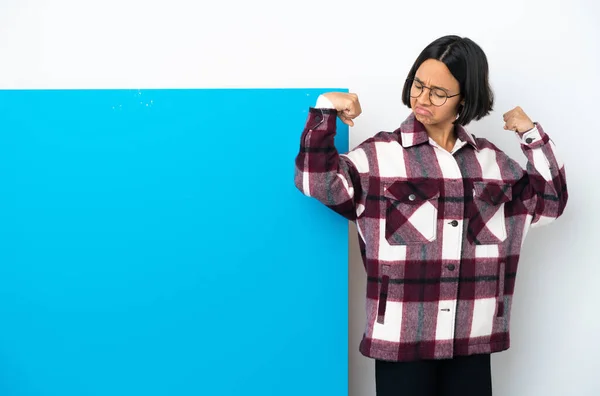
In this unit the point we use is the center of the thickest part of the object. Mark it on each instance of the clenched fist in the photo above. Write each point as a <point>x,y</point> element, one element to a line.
<point>516,120</point>
<point>346,104</point>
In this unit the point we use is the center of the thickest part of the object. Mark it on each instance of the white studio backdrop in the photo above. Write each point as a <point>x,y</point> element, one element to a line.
<point>544,56</point>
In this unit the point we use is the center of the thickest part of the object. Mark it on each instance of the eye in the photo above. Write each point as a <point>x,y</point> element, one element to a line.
<point>439,93</point>
<point>418,84</point>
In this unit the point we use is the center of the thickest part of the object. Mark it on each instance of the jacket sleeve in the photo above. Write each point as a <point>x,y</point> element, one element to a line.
<point>326,175</point>
<point>545,194</point>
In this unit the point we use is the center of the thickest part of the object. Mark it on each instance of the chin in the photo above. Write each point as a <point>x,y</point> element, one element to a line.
<point>424,120</point>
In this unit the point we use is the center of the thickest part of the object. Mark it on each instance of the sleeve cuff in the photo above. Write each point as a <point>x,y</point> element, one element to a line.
<point>532,138</point>
<point>321,119</point>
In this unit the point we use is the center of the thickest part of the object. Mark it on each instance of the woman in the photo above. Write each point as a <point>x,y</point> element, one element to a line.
<point>441,216</point>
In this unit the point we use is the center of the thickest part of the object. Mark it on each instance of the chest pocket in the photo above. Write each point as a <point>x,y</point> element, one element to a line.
<point>487,225</point>
<point>411,211</point>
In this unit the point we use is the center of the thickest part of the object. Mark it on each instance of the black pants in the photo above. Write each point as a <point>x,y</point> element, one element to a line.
<point>461,376</point>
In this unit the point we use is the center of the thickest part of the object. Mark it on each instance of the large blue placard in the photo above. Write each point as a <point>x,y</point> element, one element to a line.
<point>152,242</point>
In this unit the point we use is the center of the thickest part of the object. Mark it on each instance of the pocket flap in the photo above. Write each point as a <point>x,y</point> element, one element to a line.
<point>412,192</point>
<point>493,192</point>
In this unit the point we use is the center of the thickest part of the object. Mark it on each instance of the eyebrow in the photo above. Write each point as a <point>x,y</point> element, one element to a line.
<point>433,86</point>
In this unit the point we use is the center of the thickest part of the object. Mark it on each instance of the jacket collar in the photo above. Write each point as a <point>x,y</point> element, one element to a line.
<point>412,133</point>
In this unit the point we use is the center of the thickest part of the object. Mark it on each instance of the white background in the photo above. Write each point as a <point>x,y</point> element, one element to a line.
<point>544,56</point>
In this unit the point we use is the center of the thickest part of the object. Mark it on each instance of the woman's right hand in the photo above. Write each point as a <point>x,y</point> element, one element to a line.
<point>346,104</point>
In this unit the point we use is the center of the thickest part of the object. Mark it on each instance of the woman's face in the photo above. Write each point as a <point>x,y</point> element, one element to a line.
<point>435,75</point>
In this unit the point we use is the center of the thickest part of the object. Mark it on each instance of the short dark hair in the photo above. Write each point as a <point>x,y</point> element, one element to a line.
<point>468,64</point>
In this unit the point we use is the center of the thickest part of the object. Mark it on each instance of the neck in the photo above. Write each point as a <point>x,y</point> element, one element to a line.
<point>444,135</point>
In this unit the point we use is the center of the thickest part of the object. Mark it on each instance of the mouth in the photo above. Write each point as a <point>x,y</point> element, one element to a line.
<point>422,111</point>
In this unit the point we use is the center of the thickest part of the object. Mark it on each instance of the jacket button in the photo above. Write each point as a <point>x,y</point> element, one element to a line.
<point>451,267</point>
<point>412,197</point>
<point>454,223</point>
<point>529,140</point>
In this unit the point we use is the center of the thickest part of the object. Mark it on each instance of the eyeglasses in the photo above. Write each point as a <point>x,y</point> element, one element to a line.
<point>437,96</point>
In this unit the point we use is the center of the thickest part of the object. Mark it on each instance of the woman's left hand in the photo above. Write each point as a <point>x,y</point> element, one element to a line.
<point>516,120</point>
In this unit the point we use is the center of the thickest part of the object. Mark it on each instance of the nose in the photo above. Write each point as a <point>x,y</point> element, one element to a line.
<point>424,98</point>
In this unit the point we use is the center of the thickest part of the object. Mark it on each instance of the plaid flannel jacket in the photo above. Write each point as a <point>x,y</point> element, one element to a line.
<point>440,233</point>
